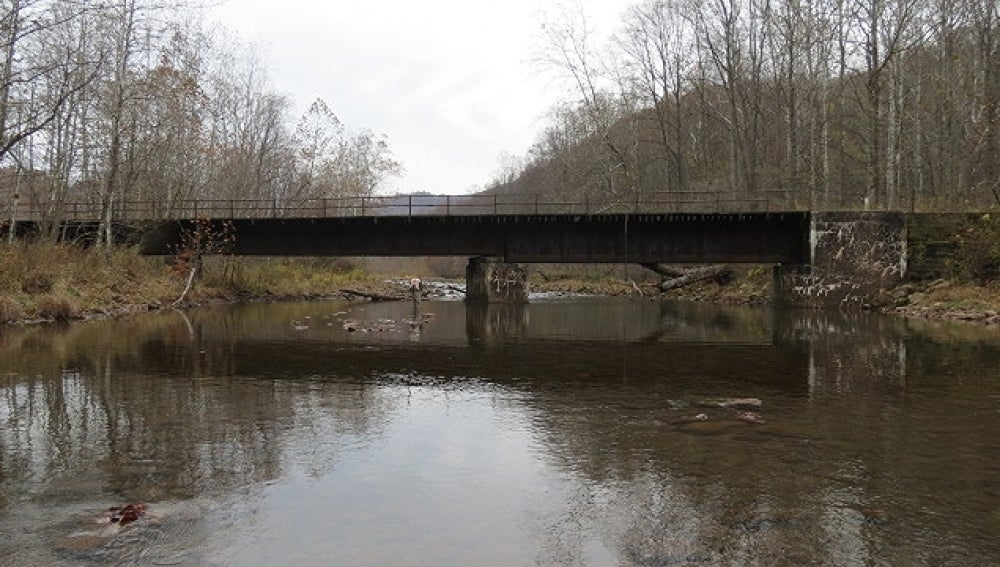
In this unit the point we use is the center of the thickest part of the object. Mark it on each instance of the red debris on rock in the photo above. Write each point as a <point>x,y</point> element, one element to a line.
<point>126,514</point>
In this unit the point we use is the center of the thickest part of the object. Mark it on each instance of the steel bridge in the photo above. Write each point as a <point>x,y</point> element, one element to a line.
<point>780,238</point>
<point>680,228</point>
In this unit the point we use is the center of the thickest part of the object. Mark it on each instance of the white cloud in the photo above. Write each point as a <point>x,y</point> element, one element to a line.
<point>450,83</point>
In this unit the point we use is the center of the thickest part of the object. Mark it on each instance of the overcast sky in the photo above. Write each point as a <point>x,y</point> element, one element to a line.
<point>451,83</point>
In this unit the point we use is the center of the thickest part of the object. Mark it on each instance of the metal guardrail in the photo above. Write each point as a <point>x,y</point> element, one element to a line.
<point>418,205</point>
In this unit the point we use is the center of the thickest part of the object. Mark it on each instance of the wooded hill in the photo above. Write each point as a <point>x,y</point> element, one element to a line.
<point>138,101</point>
<point>846,104</point>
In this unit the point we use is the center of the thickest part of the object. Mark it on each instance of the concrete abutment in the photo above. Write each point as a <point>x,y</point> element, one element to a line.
<point>854,259</point>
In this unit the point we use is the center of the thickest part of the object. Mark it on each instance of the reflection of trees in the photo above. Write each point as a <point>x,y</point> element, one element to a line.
<point>149,413</point>
<point>844,471</point>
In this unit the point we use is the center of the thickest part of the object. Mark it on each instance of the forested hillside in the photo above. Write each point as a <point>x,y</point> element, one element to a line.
<point>132,102</point>
<point>877,104</point>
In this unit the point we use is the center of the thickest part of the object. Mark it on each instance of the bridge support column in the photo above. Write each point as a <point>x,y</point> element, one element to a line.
<point>855,259</point>
<point>490,280</point>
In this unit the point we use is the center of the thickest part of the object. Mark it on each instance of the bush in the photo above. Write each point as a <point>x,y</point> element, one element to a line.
<point>10,310</point>
<point>57,307</point>
<point>36,283</point>
<point>980,243</point>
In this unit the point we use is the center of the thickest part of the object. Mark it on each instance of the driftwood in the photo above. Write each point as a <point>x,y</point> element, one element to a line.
<point>721,274</point>
<point>665,270</point>
<point>636,288</point>
<point>372,296</point>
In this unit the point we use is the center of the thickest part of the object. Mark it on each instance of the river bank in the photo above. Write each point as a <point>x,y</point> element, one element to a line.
<point>47,282</point>
<point>51,282</point>
<point>948,301</point>
<point>941,299</point>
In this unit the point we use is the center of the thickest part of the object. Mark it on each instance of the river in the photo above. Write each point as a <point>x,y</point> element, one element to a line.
<point>567,432</point>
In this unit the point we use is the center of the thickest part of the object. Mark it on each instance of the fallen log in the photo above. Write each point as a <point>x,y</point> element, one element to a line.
<point>721,274</point>
<point>665,270</point>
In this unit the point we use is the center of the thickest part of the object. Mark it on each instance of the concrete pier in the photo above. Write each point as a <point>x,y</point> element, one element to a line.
<point>490,280</point>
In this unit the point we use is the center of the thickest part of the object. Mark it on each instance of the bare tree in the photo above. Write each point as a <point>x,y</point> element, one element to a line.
<point>567,48</point>
<point>39,73</point>
<point>318,136</point>
<point>734,37</point>
<point>885,30</point>
<point>169,117</point>
<point>249,141</point>
<point>656,41</point>
<point>363,162</point>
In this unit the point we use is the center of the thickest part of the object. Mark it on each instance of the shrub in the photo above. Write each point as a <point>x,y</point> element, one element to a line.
<point>10,310</point>
<point>57,307</point>
<point>980,242</point>
<point>38,282</point>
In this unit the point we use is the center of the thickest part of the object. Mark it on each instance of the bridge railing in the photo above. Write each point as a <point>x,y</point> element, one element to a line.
<point>421,205</point>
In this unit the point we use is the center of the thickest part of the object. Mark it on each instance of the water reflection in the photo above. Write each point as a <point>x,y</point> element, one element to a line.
<point>554,433</point>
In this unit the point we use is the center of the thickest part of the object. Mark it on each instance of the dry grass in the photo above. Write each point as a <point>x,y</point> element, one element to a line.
<point>278,277</point>
<point>10,310</point>
<point>949,295</point>
<point>61,282</point>
<point>57,308</point>
<point>585,286</point>
<point>750,285</point>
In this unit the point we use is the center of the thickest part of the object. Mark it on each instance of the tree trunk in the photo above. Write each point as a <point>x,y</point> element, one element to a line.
<point>719,273</point>
<point>7,75</point>
<point>117,118</point>
<point>665,270</point>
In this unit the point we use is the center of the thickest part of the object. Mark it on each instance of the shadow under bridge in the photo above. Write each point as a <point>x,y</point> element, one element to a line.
<point>780,238</point>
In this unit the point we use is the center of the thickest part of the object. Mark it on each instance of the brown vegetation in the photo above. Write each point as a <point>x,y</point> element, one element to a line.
<point>281,277</point>
<point>61,282</point>
<point>947,299</point>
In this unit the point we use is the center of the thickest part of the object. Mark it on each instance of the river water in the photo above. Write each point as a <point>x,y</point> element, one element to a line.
<point>566,432</point>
